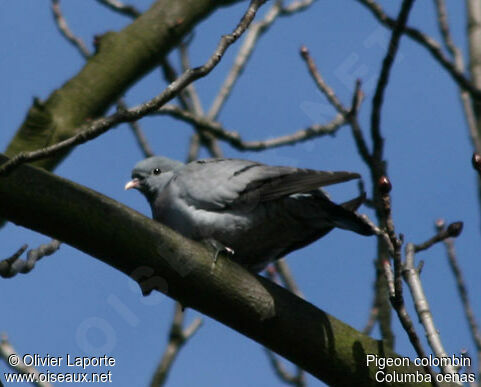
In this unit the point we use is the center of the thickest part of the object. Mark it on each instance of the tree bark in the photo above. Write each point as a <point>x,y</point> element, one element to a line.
<point>122,58</point>
<point>159,258</point>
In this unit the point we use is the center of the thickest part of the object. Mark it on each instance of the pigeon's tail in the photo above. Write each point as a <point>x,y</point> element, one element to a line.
<point>345,217</point>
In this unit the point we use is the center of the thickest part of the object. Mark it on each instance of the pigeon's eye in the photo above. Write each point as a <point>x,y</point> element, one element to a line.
<point>156,171</point>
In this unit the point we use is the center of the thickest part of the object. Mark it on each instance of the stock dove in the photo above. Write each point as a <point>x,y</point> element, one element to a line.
<point>258,213</point>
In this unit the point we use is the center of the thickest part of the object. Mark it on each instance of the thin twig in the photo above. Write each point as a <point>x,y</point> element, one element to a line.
<point>455,52</point>
<point>123,9</point>
<point>382,82</point>
<point>298,379</point>
<point>195,105</point>
<point>235,140</point>
<point>383,189</point>
<point>429,43</point>
<point>396,288</point>
<point>138,132</point>
<point>462,290</point>
<point>177,339</point>
<point>78,43</point>
<point>102,125</point>
<point>64,29</point>
<point>453,230</point>
<point>321,84</point>
<point>12,266</point>
<point>411,276</point>
<point>285,274</point>
<point>443,25</point>
<point>256,30</point>
<point>15,361</point>
<point>349,114</point>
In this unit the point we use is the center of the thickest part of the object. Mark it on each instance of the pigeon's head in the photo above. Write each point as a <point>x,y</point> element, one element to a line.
<point>150,176</point>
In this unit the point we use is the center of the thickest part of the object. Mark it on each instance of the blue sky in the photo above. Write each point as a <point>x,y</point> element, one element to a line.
<point>72,303</point>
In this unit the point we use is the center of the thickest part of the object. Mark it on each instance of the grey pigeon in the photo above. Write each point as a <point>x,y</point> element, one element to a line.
<point>258,213</point>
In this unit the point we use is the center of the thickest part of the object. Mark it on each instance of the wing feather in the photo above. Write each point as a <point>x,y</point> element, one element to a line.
<point>216,184</point>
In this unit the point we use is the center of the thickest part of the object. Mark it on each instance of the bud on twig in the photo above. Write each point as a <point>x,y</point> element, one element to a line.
<point>454,229</point>
<point>384,185</point>
<point>304,51</point>
<point>476,161</point>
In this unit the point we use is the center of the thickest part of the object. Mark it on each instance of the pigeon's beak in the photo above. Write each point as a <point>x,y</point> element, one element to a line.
<point>134,183</point>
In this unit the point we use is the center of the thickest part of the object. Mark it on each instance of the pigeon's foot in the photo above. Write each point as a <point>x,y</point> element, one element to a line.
<point>219,248</point>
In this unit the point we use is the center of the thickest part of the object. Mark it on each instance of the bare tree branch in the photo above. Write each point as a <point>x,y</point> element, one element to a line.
<point>411,275</point>
<point>12,266</point>
<point>462,290</point>
<point>101,125</point>
<point>78,43</point>
<point>387,63</point>
<point>429,43</point>
<point>195,106</point>
<point>66,32</point>
<point>298,379</point>
<point>256,30</point>
<point>182,268</point>
<point>349,115</point>
<point>14,360</point>
<point>453,230</point>
<point>234,139</point>
<point>395,281</point>
<point>455,52</point>
<point>177,339</point>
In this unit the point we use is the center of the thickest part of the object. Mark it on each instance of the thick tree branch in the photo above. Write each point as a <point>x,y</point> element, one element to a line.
<point>121,59</point>
<point>102,125</point>
<point>164,260</point>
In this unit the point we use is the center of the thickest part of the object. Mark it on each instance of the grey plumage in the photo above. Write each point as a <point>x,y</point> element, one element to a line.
<point>258,212</point>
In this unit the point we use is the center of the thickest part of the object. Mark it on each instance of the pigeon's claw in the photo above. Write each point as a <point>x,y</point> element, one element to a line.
<point>219,248</point>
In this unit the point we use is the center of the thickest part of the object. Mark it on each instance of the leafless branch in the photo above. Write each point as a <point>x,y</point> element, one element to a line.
<point>190,90</point>
<point>123,9</point>
<point>349,115</point>
<point>321,84</point>
<point>285,274</point>
<point>453,230</point>
<point>443,25</point>
<point>78,43</point>
<point>256,30</point>
<point>64,29</point>
<point>426,41</point>
<point>14,360</point>
<point>177,339</point>
<point>12,266</point>
<point>455,52</point>
<point>235,140</point>
<point>462,289</point>
<point>195,105</point>
<point>387,63</point>
<point>395,282</point>
<point>298,379</point>
<point>139,135</point>
<point>411,276</point>
<point>101,125</point>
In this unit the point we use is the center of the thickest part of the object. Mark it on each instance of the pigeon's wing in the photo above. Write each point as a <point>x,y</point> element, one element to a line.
<point>225,183</point>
